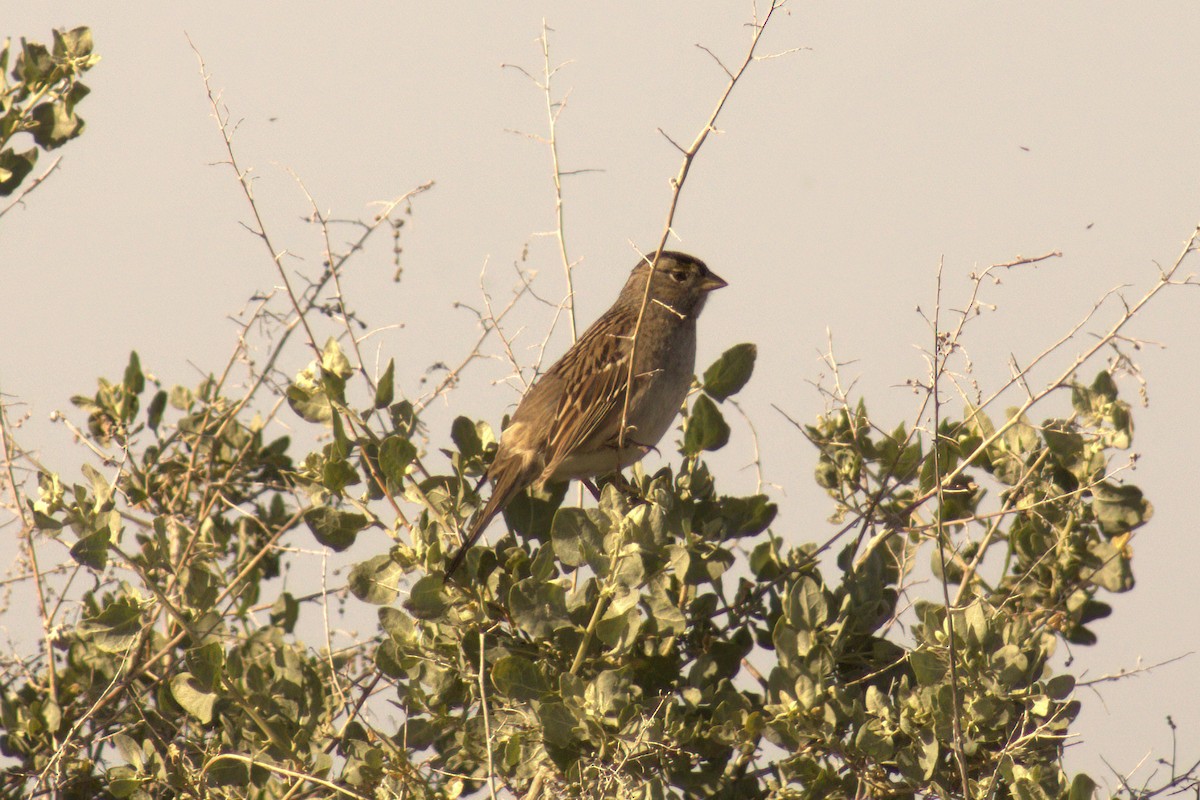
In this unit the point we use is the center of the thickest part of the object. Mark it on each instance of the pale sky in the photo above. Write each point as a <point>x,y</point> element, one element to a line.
<point>898,135</point>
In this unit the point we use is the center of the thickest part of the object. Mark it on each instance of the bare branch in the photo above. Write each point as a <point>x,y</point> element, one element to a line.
<point>28,190</point>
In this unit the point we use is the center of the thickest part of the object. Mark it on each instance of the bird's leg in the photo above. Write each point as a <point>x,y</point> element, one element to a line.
<point>620,483</point>
<point>591,487</point>
<point>629,441</point>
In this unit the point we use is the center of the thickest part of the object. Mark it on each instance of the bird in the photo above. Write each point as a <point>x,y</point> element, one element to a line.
<point>568,425</point>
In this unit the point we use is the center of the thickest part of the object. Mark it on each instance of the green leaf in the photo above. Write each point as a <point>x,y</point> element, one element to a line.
<point>1093,610</point>
<point>395,454</point>
<point>826,473</point>
<point>518,677</point>
<point>114,629</point>
<point>806,607</point>
<point>620,630</point>
<point>1112,566</point>
<point>14,168</point>
<point>927,756</point>
<point>428,598</point>
<point>608,693</point>
<point>1065,443</point>
<point>54,124</point>
<point>403,417</point>
<point>192,697</point>
<point>466,437</point>
<point>319,387</point>
<point>729,373</point>
<point>1010,665</point>
<point>765,562</point>
<point>92,550</point>
<point>129,750</point>
<point>577,539</point>
<point>558,724</point>
<point>664,613</point>
<point>337,474</point>
<point>376,580</point>
<point>102,491</point>
<point>806,691</point>
<point>1082,788</point>
<point>902,460</point>
<point>1098,406</point>
<point>340,447</point>
<point>1104,386</point>
<point>76,93</point>
<point>385,390</point>
<point>34,65</point>
<point>1119,509</point>
<point>181,398</point>
<point>334,528</point>
<point>747,516</point>
<point>1021,437</point>
<point>389,660</point>
<point>74,44</point>
<point>154,413</point>
<point>123,782</point>
<point>1081,636</point>
<point>538,608</point>
<point>227,772</point>
<point>706,428</point>
<point>1060,686</point>
<point>927,667</point>
<point>873,744</point>
<point>307,399</point>
<point>134,381</point>
<point>207,664</point>
<point>531,513</point>
<point>396,624</point>
<point>285,612</point>
<point>334,361</point>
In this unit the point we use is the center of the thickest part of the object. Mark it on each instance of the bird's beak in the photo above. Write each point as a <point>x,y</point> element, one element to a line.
<point>712,282</point>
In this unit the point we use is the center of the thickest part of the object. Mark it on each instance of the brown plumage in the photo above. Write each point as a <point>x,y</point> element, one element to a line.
<point>567,426</point>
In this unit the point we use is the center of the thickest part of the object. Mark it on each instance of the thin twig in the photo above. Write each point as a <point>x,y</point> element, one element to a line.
<point>1123,673</point>
<point>244,181</point>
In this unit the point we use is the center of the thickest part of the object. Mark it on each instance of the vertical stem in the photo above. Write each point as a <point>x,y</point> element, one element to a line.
<point>487,726</point>
<point>938,363</point>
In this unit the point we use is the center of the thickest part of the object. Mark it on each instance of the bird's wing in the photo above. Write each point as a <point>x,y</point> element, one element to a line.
<point>594,373</point>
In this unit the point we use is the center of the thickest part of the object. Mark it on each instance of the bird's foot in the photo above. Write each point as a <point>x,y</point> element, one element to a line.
<point>622,484</point>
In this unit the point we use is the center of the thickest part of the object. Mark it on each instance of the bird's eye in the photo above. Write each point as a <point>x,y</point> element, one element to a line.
<point>679,275</point>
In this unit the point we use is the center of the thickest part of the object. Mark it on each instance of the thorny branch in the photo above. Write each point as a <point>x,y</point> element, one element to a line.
<point>689,155</point>
<point>553,109</point>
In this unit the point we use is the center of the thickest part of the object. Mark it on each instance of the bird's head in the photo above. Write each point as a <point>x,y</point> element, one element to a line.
<point>680,282</point>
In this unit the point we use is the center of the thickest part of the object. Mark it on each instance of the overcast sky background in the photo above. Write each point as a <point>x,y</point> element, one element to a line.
<point>901,134</point>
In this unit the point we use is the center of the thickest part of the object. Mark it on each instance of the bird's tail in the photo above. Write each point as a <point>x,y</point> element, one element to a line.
<point>508,484</point>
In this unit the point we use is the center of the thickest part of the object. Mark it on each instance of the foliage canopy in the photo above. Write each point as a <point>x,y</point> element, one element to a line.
<point>667,641</point>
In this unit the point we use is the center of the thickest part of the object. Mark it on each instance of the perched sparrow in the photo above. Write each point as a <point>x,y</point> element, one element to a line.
<point>568,424</point>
